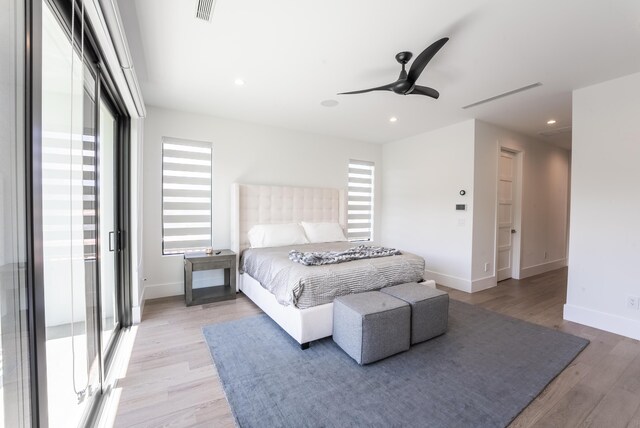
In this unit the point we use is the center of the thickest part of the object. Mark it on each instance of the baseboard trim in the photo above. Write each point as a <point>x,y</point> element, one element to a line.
<point>542,268</point>
<point>157,291</point>
<point>483,283</point>
<point>136,311</point>
<point>603,321</point>
<point>449,281</point>
<point>429,283</point>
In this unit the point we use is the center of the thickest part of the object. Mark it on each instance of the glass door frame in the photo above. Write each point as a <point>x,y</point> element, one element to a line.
<point>121,274</point>
<point>34,272</point>
<point>105,90</point>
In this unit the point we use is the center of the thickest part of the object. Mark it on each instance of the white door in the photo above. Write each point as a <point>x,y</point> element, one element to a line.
<point>506,191</point>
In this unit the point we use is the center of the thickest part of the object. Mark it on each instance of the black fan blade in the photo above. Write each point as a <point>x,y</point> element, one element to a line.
<point>379,88</point>
<point>423,59</point>
<point>423,90</point>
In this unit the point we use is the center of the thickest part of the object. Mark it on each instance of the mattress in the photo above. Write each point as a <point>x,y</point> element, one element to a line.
<point>306,286</point>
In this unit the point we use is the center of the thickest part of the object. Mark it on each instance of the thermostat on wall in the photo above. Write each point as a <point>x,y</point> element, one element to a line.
<point>461,207</point>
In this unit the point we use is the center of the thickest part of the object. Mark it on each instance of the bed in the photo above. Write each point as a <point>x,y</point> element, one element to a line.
<point>305,313</point>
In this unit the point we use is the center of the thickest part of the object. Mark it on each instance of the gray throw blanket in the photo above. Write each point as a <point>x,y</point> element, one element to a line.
<point>333,257</point>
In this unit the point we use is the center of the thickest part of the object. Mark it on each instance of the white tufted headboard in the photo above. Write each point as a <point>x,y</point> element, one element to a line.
<point>257,204</point>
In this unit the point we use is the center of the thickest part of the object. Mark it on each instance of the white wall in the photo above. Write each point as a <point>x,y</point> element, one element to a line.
<point>605,206</point>
<point>545,195</point>
<point>137,220</point>
<point>423,176</point>
<point>244,153</point>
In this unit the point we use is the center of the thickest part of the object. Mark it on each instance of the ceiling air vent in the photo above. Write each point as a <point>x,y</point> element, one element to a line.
<point>205,9</point>
<point>557,131</point>
<point>506,94</point>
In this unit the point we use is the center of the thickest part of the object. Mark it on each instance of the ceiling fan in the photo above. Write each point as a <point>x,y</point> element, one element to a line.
<point>406,83</point>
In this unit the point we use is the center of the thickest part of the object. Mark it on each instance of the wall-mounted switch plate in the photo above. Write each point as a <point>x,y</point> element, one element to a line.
<point>633,302</point>
<point>486,267</point>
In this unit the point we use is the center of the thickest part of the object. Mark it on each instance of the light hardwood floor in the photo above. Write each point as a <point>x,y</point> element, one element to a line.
<point>171,380</point>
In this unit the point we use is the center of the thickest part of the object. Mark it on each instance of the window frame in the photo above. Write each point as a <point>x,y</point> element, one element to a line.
<point>364,165</point>
<point>184,141</point>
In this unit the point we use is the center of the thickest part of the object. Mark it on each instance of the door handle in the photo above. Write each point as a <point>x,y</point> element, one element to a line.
<point>111,243</point>
<point>513,231</point>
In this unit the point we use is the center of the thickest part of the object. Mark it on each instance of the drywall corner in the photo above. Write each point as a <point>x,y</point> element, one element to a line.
<point>605,250</point>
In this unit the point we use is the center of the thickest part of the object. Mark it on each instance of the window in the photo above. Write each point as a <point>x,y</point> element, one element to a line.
<point>360,201</point>
<point>186,195</point>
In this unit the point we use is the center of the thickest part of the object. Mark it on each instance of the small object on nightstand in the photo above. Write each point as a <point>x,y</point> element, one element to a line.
<point>222,259</point>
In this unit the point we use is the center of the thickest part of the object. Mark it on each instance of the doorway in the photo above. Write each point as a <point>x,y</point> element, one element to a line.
<point>508,214</point>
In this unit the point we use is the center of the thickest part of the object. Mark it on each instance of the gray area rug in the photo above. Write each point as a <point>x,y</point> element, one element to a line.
<point>481,373</point>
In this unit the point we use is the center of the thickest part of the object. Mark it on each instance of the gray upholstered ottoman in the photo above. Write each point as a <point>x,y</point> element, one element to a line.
<point>429,309</point>
<point>371,326</point>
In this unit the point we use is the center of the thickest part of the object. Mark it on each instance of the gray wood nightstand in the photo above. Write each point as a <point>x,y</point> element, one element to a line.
<point>201,261</point>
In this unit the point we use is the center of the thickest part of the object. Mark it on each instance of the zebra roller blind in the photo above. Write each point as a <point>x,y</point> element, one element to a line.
<point>186,195</point>
<point>360,201</point>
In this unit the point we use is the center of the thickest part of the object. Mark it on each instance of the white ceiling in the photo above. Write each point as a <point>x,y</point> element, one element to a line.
<point>293,54</point>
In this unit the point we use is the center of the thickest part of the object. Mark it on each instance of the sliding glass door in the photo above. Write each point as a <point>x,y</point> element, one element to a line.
<point>81,239</point>
<point>69,226</point>
<point>107,214</point>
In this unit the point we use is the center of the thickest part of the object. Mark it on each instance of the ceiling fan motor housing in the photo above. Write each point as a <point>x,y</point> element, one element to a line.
<point>404,57</point>
<point>402,87</point>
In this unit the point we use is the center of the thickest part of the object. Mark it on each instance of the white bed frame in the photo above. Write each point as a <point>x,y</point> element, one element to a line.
<point>257,204</point>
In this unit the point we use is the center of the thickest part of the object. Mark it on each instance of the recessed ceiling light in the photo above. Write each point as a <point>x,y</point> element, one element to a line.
<point>551,122</point>
<point>239,82</point>
<point>329,103</point>
<point>393,119</point>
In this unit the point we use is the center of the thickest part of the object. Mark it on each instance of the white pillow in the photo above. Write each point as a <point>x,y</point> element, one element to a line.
<point>276,235</point>
<point>323,232</point>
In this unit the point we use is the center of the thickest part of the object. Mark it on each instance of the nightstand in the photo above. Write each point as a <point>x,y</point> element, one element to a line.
<point>201,261</point>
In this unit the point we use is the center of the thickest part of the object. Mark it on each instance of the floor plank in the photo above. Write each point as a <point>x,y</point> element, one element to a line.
<point>172,382</point>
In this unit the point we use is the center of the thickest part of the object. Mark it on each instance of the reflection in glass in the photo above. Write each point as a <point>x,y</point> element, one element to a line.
<point>14,352</point>
<point>107,225</point>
